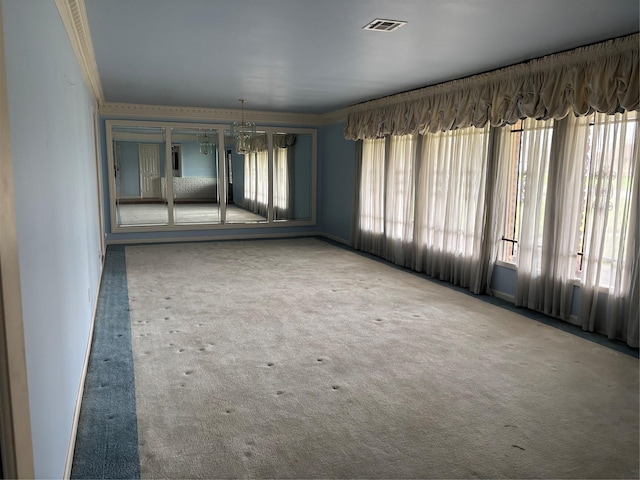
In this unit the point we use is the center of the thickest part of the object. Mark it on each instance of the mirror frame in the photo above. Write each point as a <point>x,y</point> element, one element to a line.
<point>270,222</point>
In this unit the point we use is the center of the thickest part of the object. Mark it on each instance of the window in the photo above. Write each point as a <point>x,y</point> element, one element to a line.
<point>601,149</point>
<point>608,168</point>
<point>524,148</point>
<point>387,187</point>
<point>422,202</point>
<point>451,186</point>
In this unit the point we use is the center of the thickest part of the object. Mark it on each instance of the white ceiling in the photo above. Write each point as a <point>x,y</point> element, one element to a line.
<point>312,56</point>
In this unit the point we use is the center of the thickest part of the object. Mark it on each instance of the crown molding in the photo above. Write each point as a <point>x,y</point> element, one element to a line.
<point>336,116</point>
<point>74,18</point>
<point>166,112</point>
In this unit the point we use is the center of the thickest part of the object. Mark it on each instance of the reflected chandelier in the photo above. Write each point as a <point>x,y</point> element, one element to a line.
<point>207,143</point>
<point>244,133</point>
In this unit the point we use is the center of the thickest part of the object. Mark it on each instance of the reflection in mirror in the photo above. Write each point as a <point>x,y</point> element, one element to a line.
<point>195,176</point>
<point>292,176</point>
<point>164,175</point>
<point>139,164</point>
<point>248,181</point>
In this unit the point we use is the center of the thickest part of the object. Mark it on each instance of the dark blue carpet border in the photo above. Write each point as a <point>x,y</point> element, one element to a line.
<point>107,437</point>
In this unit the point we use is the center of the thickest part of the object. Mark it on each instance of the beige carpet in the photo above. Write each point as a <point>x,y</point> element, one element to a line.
<point>298,359</point>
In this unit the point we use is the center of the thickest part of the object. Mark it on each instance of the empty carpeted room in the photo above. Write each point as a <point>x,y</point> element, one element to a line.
<point>330,239</point>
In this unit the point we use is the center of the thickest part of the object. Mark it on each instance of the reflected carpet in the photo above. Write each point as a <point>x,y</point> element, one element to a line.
<point>184,213</point>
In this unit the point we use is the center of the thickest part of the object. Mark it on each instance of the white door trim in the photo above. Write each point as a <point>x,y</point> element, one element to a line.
<point>99,180</point>
<point>15,419</point>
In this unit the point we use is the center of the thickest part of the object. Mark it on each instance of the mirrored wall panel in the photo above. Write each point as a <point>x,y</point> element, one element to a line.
<point>195,173</point>
<point>191,176</point>
<point>248,189</point>
<point>138,171</point>
<point>292,176</point>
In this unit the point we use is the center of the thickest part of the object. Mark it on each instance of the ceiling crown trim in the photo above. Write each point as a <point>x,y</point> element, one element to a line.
<point>166,112</point>
<point>74,18</point>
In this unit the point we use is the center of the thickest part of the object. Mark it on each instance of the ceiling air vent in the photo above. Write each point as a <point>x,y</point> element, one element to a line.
<point>380,25</point>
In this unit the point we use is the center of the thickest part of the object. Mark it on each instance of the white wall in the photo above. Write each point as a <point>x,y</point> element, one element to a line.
<point>51,123</point>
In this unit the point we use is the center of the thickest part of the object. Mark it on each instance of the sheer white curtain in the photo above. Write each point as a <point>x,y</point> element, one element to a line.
<point>281,182</point>
<point>250,176</point>
<point>386,198</point>
<point>370,198</point>
<point>256,181</point>
<point>450,206</point>
<point>421,203</point>
<point>535,146</point>
<point>610,246</point>
<point>262,181</point>
<point>579,196</point>
<point>400,197</point>
<point>560,261</point>
<point>552,155</point>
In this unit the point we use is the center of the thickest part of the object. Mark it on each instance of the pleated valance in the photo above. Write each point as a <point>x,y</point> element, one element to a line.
<point>261,143</point>
<point>603,77</point>
<point>283,140</point>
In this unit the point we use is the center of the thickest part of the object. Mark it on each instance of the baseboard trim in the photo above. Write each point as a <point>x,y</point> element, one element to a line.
<point>85,368</point>
<point>573,320</point>
<point>503,296</point>
<point>336,239</point>
<point>209,238</point>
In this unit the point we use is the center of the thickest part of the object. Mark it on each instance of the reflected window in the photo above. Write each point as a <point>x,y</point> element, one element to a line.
<point>283,175</point>
<point>248,182</point>
<point>294,167</point>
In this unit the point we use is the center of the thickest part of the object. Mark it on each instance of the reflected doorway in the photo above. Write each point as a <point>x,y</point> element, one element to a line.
<point>150,170</point>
